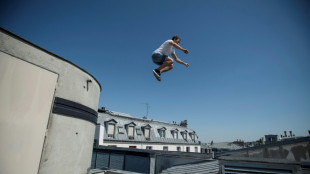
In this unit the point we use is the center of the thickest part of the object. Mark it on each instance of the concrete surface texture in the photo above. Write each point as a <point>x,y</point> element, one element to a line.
<point>68,140</point>
<point>27,93</point>
<point>72,82</point>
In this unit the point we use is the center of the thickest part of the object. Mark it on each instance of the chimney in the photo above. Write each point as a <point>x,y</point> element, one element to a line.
<point>183,123</point>
<point>102,110</point>
<point>285,134</point>
<point>291,133</point>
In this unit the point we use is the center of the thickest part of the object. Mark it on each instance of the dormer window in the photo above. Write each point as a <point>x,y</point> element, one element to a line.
<point>146,130</point>
<point>147,133</point>
<point>130,130</point>
<point>162,132</point>
<point>175,133</point>
<point>111,128</point>
<point>192,136</point>
<point>184,135</point>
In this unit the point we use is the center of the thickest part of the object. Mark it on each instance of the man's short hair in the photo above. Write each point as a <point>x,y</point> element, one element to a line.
<point>176,37</point>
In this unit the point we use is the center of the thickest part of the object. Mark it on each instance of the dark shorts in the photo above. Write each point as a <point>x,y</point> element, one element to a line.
<point>159,58</point>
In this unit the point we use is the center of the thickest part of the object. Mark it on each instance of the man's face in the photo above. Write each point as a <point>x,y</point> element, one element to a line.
<point>177,41</point>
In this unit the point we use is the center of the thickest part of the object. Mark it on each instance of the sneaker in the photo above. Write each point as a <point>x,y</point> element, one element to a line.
<point>156,74</point>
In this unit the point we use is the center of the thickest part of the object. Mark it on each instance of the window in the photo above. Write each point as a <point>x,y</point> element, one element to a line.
<point>184,134</point>
<point>120,130</point>
<point>111,127</point>
<point>146,130</point>
<point>192,136</point>
<point>130,132</point>
<point>139,132</point>
<point>147,133</point>
<point>179,149</point>
<point>196,149</point>
<point>132,147</point>
<point>174,134</point>
<point>165,148</point>
<point>188,149</point>
<point>149,147</point>
<point>162,133</point>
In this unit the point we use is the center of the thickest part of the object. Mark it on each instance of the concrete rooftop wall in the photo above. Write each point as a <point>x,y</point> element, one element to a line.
<point>69,133</point>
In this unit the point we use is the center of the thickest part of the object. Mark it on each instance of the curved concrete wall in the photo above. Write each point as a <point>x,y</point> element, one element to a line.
<point>72,81</point>
<point>68,134</point>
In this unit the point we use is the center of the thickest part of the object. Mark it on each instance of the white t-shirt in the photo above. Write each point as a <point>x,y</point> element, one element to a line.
<point>166,48</point>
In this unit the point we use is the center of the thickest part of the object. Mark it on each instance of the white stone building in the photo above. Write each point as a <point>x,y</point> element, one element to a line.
<point>122,130</point>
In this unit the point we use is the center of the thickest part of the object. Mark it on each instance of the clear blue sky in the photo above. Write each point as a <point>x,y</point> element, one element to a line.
<point>249,72</point>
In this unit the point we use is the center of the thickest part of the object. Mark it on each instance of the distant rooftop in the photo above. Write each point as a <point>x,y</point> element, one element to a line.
<point>124,115</point>
<point>122,120</point>
<point>114,113</point>
<point>222,145</point>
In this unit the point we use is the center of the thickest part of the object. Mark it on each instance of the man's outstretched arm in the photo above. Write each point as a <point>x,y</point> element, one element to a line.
<point>179,60</point>
<point>179,47</point>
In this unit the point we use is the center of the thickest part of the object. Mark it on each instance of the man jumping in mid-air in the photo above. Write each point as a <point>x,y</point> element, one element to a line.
<point>160,56</point>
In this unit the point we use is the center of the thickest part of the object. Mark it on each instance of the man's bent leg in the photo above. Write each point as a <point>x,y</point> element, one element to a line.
<point>167,65</point>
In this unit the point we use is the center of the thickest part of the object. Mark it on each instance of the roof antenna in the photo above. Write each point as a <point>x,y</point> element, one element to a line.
<point>147,110</point>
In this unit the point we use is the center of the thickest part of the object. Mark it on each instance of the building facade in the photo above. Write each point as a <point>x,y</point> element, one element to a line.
<point>122,130</point>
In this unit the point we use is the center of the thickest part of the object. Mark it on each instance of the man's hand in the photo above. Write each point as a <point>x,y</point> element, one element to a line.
<point>185,51</point>
<point>186,64</point>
